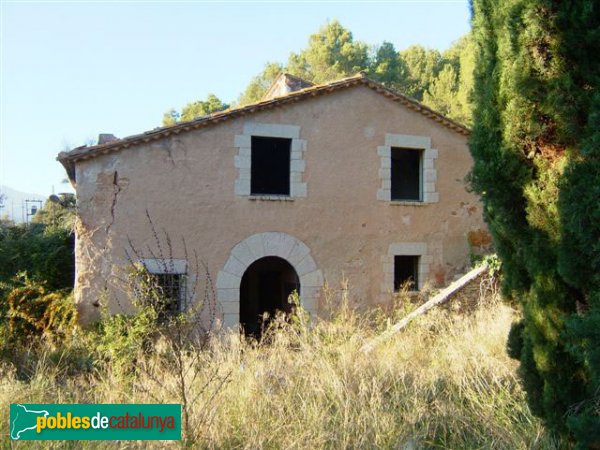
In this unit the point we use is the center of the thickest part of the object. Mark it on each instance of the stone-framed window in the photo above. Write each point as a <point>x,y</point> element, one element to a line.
<point>422,259</point>
<point>270,166</point>
<point>172,279</point>
<point>406,173</point>
<point>406,272</point>
<point>395,155</point>
<point>243,159</point>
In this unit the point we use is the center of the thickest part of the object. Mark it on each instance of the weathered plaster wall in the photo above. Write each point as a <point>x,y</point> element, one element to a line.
<point>187,184</point>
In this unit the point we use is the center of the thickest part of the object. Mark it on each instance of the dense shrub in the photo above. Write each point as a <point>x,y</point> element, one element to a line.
<point>44,252</point>
<point>34,310</point>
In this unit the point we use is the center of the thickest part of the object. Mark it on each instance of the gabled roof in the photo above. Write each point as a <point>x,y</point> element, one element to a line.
<point>67,159</point>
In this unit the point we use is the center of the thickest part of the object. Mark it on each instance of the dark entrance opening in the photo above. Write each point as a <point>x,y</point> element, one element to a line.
<point>270,166</point>
<point>265,288</point>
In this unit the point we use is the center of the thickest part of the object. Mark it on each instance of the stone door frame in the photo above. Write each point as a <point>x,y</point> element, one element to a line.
<point>258,246</point>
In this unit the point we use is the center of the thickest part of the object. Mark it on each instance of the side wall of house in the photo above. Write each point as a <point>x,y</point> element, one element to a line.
<point>186,184</point>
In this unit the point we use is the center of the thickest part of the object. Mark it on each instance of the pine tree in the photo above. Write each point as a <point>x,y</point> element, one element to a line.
<point>441,95</point>
<point>388,67</point>
<point>442,81</point>
<point>536,146</point>
<point>193,110</point>
<point>423,65</point>
<point>332,53</point>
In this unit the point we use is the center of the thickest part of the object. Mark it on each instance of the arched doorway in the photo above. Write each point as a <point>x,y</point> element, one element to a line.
<point>264,290</point>
<point>258,246</point>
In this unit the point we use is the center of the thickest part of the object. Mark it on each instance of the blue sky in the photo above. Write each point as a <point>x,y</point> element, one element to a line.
<point>71,70</point>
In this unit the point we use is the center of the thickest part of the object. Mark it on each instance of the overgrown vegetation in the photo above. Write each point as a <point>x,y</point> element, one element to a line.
<point>445,382</point>
<point>536,145</point>
<point>441,80</point>
<point>37,268</point>
<point>45,253</point>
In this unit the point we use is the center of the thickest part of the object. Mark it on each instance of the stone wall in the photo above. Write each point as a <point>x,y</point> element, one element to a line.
<point>191,186</point>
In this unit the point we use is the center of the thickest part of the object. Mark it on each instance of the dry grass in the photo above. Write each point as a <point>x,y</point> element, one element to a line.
<point>445,382</point>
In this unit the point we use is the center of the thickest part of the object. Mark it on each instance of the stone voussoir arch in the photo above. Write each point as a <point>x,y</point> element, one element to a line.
<point>258,246</point>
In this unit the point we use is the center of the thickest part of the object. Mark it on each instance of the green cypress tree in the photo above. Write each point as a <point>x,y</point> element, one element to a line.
<point>536,146</point>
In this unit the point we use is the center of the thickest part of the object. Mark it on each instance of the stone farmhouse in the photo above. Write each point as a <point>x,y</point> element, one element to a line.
<point>312,185</point>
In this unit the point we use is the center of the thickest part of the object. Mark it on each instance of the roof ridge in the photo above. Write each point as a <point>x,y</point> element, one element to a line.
<point>85,152</point>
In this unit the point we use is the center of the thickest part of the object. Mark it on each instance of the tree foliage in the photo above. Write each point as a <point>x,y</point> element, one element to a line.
<point>45,253</point>
<point>442,81</point>
<point>423,66</point>
<point>57,212</point>
<point>259,85</point>
<point>536,145</point>
<point>35,310</point>
<point>450,90</point>
<point>441,94</point>
<point>193,110</point>
<point>40,253</point>
<point>389,68</point>
<point>332,53</point>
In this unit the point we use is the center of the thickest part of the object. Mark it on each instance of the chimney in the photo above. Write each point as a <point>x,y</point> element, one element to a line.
<point>105,138</point>
<point>284,84</point>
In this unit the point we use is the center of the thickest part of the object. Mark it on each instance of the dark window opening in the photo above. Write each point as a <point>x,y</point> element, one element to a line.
<point>170,289</point>
<point>270,166</point>
<point>406,174</point>
<point>406,270</point>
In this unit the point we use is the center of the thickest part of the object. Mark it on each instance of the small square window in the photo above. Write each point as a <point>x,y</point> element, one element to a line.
<point>270,166</point>
<point>406,270</point>
<point>171,289</point>
<point>406,174</point>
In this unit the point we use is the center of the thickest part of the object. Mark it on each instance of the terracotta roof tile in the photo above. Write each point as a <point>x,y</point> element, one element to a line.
<point>68,159</point>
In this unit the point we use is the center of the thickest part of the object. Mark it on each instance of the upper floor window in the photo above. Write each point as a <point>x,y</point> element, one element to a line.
<point>407,170</point>
<point>270,162</point>
<point>406,174</point>
<point>270,166</point>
